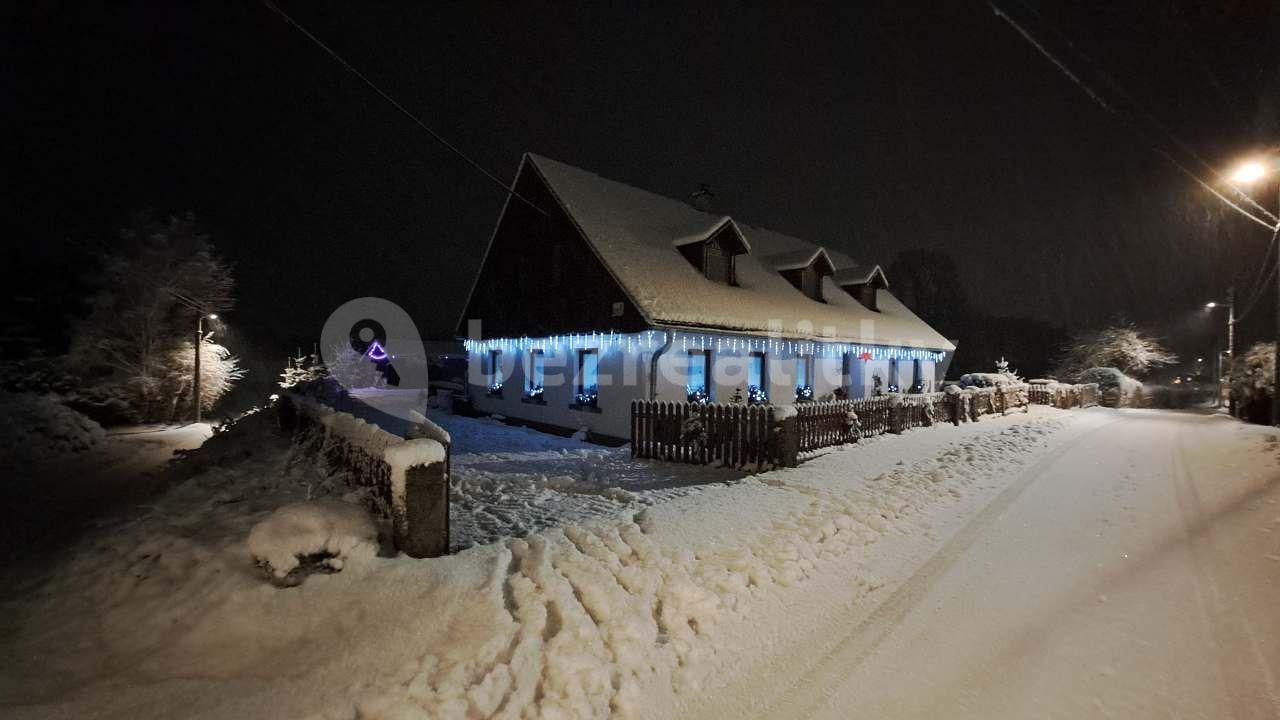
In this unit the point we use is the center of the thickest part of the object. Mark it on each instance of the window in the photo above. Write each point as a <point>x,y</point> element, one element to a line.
<point>757,379</point>
<point>717,264</point>
<point>587,389</point>
<point>712,259</point>
<point>698,383</point>
<point>533,378</point>
<point>804,378</point>
<point>495,373</point>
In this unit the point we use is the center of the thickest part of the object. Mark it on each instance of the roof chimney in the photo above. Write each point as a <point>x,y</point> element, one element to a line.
<point>702,197</point>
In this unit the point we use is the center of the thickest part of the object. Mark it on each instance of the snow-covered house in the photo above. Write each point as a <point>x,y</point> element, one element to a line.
<point>603,293</point>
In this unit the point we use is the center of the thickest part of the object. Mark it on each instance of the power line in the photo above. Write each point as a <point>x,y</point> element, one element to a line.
<point>1106,106</point>
<point>1150,118</point>
<point>392,101</point>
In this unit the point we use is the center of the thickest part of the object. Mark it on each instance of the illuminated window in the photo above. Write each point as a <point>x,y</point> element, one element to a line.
<point>697,384</point>
<point>495,373</point>
<point>804,378</point>
<point>587,391</point>
<point>533,377</point>
<point>757,379</point>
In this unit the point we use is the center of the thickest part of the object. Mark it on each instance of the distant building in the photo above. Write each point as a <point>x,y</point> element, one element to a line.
<point>570,309</point>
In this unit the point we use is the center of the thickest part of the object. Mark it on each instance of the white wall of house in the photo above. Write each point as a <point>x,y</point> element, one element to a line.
<point>624,376</point>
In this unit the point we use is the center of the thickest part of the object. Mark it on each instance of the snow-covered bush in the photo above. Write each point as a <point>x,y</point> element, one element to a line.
<point>353,370</point>
<point>1115,389</point>
<point>35,428</point>
<point>1252,381</point>
<point>985,380</point>
<point>314,535</point>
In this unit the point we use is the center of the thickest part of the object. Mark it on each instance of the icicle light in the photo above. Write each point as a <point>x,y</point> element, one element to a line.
<point>738,344</point>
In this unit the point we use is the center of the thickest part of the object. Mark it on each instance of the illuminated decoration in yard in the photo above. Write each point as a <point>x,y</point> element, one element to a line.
<point>720,343</point>
<point>375,352</point>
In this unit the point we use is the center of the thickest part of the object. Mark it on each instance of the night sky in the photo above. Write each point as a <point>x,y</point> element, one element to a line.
<point>869,127</point>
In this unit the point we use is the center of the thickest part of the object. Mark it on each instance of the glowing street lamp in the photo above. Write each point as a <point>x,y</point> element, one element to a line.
<point>1248,173</point>
<point>1231,344</point>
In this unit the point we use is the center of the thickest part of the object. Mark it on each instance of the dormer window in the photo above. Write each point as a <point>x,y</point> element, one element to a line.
<point>804,269</point>
<point>862,282</point>
<point>713,253</point>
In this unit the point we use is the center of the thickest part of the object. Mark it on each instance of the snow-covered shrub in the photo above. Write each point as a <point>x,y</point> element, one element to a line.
<point>353,370</point>
<point>804,393</point>
<point>693,432</point>
<point>987,380</point>
<point>853,426</point>
<point>35,427</point>
<point>1252,381</point>
<point>1115,389</point>
<point>318,535</point>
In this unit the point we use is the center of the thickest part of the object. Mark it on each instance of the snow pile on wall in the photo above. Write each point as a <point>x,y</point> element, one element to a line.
<point>35,428</point>
<point>986,380</point>
<point>335,530</point>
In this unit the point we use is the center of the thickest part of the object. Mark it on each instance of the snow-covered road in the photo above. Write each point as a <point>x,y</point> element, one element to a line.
<point>1132,572</point>
<point>1050,564</point>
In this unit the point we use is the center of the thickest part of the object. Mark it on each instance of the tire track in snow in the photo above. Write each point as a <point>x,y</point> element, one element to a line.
<point>828,671</point>
<point>1226,620</point>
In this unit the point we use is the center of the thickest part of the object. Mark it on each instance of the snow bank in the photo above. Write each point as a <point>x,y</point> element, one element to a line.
<point>337,531</point>
<point>35,428</point>
<point>631,615</point>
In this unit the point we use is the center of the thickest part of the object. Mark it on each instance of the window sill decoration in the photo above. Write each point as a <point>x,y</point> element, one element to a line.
<point>698,396</point>
<point>534,396</point>
<point>587,400</point>
<point>494,390</point>
<point>756,396</point>
<point>804,393</point>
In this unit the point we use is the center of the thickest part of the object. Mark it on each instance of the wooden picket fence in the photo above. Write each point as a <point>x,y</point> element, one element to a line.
<point>742,435</point>
<point>733,435</point>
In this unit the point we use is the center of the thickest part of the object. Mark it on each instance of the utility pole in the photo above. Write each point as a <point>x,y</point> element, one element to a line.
<point>195,382</point>
<point>1231,348</point>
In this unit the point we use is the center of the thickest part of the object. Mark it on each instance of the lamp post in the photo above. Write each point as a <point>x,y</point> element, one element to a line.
<point>1248,173</point>
<point>1231,349</point>
<point>195,379</point>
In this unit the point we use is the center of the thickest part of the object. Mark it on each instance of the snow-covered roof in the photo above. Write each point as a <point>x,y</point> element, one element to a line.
<point>857,274</point>
<point>796,259</point>
<point>635,234</point>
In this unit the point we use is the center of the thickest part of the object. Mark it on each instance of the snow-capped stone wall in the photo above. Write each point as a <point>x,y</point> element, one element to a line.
<point>408,478</point>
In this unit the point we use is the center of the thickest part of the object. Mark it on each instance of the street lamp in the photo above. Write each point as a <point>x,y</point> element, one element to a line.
<point>1248,173</point>
<point>1231,348</point>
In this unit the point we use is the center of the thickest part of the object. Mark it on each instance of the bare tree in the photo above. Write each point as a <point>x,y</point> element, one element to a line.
<point>1121,346</point>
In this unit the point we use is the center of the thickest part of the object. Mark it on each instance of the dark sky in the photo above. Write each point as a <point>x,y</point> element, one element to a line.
<point>873,127</point>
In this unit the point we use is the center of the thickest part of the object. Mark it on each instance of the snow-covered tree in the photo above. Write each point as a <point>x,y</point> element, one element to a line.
<point>155,281</point>
<point>302,369</point>
<point>353,370</point>
<point>219,371</point>
<point>1121,346</point>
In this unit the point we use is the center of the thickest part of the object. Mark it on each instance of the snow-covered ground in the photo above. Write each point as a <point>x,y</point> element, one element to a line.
<point>75,475</point>
<point>938,552</point>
